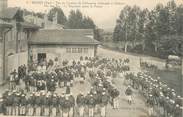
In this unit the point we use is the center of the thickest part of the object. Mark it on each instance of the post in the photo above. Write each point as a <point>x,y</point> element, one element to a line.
<point>182,84</point>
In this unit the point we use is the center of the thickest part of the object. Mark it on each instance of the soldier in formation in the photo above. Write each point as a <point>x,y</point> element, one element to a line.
<point>161,99</point>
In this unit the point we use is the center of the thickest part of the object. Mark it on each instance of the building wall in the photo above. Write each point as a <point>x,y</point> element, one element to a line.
<point>1,57</point>
<point>62,52</point>
<point>16,48</point>
<point>182,83</point>
<point>14,61</point>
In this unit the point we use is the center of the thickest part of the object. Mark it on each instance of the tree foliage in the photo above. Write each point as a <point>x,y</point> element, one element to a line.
<point>76,20</point>
<point>61,18</point>
<point>155,28</point>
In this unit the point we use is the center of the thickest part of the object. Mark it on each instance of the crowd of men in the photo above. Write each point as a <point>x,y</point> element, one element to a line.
<point>38,97</point>
<point>161,99</point>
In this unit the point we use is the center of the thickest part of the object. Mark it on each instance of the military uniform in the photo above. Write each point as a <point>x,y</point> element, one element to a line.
<point>66,107</point>
<point>16,102</point>
<point>128,93</point>
<point>30,106</point>
<point>80,103</point>
<point>115,100</point>
<point>72,103</point>
<point>61,104</point>
<point>12,80</point>
<point>8,104</point>
<point>91,104</point>
<point>38,105</point>
<point>54,105</point>
<point>23,103</point>
<point>104,99</point>
<point>150,103</point>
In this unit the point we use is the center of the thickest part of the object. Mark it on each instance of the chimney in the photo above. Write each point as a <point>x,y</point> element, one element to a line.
<point>3,4</point>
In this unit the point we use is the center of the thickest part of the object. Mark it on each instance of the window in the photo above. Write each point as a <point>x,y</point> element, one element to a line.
<point>85,50</point>
<point>74,50</point>
<point>68,50</point>
<point>80,50</point>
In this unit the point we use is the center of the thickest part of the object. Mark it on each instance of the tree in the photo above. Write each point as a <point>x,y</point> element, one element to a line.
<point>117,31</point>
<point>87,22</point>
<point>179,20</point>
<point>97,34</point>
<point>159,29</point>
<point>143,20</point>
<point>40,15</point>
<point>76,20</point>
<point>61,18</point>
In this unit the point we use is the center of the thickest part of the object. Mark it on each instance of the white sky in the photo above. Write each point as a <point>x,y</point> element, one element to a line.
<point>103,17</point>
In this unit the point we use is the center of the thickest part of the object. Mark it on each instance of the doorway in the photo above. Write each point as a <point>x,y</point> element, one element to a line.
<point>41,57</point>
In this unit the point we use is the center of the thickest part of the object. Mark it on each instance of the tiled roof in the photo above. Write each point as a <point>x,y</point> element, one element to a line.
<point>9,13</point>
<point>64,36</point>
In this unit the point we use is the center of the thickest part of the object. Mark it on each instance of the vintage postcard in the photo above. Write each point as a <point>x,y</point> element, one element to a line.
<point>91,58</point>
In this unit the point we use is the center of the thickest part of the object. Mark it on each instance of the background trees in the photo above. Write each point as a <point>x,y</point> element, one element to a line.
<point>152,30</point>
<point>76,20</point>
<point>61,18</point>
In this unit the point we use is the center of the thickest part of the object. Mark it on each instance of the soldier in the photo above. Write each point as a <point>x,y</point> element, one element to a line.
<point>150,103</point>
<point>8,103</point>
<point>72,104</point>
<point>96,98</point>
<point>52,86</point>
<point>178,100</point>
<point>66,107</point>
<point>30,106</point>
<point>68,90</point>
<point>115,100</point>
<point>128,93</point>
<point>23,103</point>
<point>31,83</point>
<point>12,80</point>
<point>161,103</point>
<point>42,99</point>
<point>16,103</point>
<point>167,107</point>
<point>46,104</point>
<point>61,103</point>
<point>178,111</point>
<point>27,83</point>
<point>38,104</point>
<point>60,77</point>
<point>38,85</point>
<point>104,99</point>
<point>171,108</point>
<point>54,105</point>
<point>91,104</point>
<point>80,100</point>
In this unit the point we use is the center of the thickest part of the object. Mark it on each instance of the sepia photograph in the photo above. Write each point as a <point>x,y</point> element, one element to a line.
<point>91,58</point>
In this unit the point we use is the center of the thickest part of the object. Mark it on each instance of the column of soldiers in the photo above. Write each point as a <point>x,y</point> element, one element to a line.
<point>161,99</point>
<point>44,101</point>
<point>38,104</point>
<point>17,76</point>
